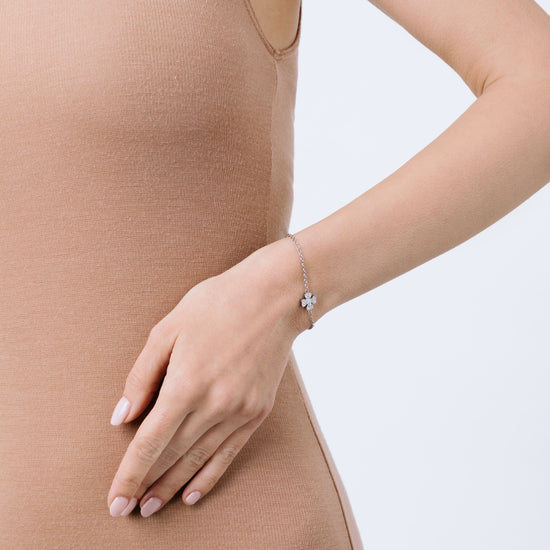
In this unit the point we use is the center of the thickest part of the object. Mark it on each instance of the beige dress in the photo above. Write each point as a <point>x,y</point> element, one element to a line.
<point>144,147</point>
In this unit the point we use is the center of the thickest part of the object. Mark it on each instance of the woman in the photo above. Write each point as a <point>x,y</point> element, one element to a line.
<point>145,201</point>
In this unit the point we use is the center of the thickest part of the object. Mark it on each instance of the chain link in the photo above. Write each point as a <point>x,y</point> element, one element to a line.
<point>308,300</point>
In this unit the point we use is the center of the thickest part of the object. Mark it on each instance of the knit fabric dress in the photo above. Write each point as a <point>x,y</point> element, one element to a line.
<point>144,146</point>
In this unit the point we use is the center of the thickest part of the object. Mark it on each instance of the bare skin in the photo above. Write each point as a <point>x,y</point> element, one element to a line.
<point>222,369</point>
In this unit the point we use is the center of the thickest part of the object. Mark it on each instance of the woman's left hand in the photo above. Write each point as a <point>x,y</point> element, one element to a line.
<point>220,355</point>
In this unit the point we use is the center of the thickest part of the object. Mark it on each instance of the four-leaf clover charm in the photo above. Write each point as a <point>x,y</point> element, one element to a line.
<point>308,301</point>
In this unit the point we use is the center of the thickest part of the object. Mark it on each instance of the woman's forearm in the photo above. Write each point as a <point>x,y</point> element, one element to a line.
<point>490,160</point>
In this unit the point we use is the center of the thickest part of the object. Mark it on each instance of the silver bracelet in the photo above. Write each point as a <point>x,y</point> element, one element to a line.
<point>308,300</point>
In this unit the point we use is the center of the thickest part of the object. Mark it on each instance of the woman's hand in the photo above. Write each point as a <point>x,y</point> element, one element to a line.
<point>220,355</point>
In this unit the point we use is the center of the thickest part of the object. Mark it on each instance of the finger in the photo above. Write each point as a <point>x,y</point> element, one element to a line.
<point>151,438</point>
<point>185,468</point>
<point>212,471</point>
<point>146,375</point>
<point>213,408</point>
<point>194,427</point>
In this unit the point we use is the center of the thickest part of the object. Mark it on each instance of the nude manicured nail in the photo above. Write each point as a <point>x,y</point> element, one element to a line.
<point>121,411</point>
<point>118,506</point>
<point>193,497</point>
<point>151,506</point>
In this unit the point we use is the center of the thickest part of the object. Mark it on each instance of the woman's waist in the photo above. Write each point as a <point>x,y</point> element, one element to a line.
<point>88,242</point>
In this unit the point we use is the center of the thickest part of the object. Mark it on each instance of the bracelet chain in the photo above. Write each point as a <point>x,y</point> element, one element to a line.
<point>309,299</point>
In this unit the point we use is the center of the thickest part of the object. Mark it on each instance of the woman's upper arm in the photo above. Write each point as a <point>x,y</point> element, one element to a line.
<point>482,40</point>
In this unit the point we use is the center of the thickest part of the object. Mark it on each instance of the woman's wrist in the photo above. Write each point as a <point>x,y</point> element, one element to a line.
<point>281,269</point>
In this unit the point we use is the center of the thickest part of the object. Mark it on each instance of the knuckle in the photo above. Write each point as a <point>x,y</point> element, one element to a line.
<point>181,387</point>
<point>251,407</point>
<point>182,399</point>
<point>218,410</point>
<point>157,332</point>
<point>146,449</point>
<point>135,380</point>
<point>266,409</point>
<point>228,454</point>
<point>171,391</point>
<point>164,417</point>
<point>196,457</point>
<point>169,456</point>
<point>221,404</point>
<point>196,391</point>
<point>208,480</point>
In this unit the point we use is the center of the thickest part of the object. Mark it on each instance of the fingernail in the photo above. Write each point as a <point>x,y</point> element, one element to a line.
<point>193,497</point>
<point>130,507</point>
<point>121,411</point>
<point>118,506</point>
<point>151,506</point>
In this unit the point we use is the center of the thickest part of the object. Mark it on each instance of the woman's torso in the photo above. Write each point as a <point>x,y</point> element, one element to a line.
<point>145,146</point>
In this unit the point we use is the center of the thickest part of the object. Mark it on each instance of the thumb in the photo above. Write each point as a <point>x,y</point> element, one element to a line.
<point>146,375</point>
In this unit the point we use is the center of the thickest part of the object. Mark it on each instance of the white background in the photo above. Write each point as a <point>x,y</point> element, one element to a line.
<point>432,390</point>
